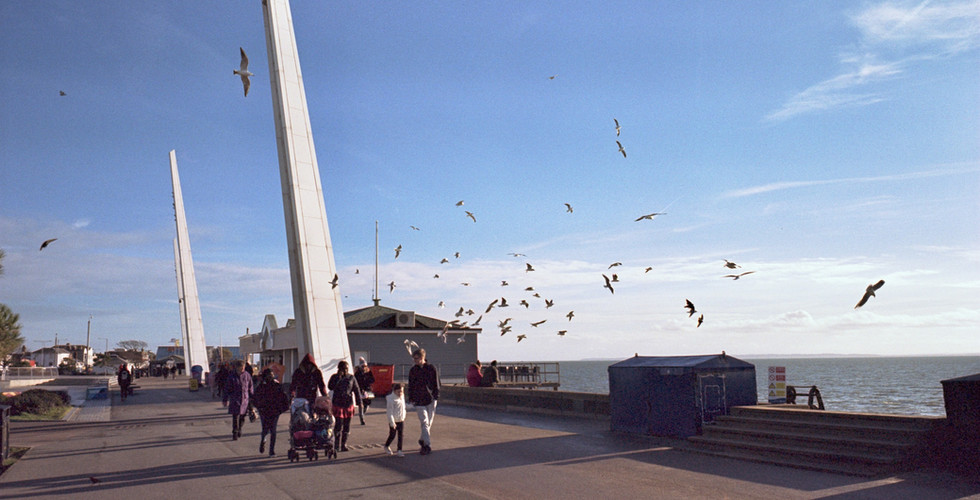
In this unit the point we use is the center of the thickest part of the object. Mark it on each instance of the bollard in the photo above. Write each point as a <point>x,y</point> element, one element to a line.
<point>193,384</point>
<point>4,432</point>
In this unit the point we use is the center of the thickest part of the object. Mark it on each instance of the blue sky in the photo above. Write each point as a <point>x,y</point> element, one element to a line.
<point>824,146</point>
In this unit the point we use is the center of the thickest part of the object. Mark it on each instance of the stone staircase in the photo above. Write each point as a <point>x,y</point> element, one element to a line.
<point>862,444</point>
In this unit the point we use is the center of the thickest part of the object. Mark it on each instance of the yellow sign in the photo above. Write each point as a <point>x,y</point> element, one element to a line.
<point>777,384</point>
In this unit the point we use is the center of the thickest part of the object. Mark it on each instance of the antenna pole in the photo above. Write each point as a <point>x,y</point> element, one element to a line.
<point>376,299</point>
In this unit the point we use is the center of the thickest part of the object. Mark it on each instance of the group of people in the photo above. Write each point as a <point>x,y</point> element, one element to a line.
<point>345,389</point>
<point>478,376</point>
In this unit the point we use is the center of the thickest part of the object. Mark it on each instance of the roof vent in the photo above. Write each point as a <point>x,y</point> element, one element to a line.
<point>405,319</point>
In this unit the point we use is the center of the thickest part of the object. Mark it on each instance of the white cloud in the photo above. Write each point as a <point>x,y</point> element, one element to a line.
<point>898,34</point>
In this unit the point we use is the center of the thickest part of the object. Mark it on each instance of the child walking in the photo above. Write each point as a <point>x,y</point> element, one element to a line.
<point>396,418</point>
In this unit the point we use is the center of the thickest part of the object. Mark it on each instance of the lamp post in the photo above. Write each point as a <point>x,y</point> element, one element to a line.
<point>88,342</point>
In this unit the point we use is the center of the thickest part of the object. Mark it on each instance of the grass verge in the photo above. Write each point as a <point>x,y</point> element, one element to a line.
<point>56,413</point>
<point>15,454</point>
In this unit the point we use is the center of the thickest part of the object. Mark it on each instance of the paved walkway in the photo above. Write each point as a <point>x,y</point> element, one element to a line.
<point>167,442</point>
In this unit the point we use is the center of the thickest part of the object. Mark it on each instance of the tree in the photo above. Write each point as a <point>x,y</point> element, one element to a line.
<point>1,261</point>
<point>133,345</point>
<point>10,338</point>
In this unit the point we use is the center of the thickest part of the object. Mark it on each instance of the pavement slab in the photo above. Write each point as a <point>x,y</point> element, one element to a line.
<point>167,442</point>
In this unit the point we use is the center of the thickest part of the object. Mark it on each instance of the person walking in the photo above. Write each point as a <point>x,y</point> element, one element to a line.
<point>307,381</point>
<point>396,417</point>
<point>364,378</point>
<point>344,386</point>
<point>124,378</point>
<point>271,402</point>
<point>239,387</point>
<point>423,392</point>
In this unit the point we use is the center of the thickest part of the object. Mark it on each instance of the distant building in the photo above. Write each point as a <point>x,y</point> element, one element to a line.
<point>377,334</point>
<point>49,356</point>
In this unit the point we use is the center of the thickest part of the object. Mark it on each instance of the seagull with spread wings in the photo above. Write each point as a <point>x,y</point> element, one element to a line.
<point>46,243</point>
<point>470,215</point>
<point>690,308</point>
<point>870,292</point>
<point>617,127</point>
<point>731,265</point>
<point>649,216</point>
<point>621,150</point>
<point>607,285</point>
<point>737,276</point>
<point>568,208</point>
<point>243,71</point>
<point>398,251</point>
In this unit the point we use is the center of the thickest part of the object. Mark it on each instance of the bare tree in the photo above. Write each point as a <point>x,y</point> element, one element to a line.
<point>133,345</point>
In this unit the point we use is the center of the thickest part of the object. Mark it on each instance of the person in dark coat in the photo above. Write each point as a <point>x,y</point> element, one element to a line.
<point>271,401</point>
<point>307,381</point>
<point>423,392</point>
<point>125,378</point>
<point>365,377</point>
<point>239,387</point>
<point>345,389</point>
<point>491,376</point>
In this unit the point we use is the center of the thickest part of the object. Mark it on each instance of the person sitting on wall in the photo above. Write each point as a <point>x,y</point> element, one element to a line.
<point>474,374</point>
<point>491,376</point>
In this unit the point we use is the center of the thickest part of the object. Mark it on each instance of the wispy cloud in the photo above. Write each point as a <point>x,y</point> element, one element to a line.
<point>898,34</point>
<point>778,186</point>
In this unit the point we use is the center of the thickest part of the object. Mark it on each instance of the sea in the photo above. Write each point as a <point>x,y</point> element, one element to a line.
<point>891,385</point>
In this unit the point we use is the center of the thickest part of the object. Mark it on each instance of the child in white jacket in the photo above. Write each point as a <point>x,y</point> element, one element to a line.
<point>396,417</point>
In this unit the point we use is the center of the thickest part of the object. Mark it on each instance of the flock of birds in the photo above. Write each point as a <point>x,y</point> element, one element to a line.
<point>504,325</point>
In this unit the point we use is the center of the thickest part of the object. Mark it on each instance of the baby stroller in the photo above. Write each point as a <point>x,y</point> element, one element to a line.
<point>309,432</point>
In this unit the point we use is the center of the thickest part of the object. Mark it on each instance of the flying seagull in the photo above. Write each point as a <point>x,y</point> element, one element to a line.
<point>459,203</point>
<point>444,260</point>
<point>647,270</point>
<point>411,346</point>
<point>614,264</point>
<point>552,77</point>
<point>398,251</point>
<point>538,323</point>
<point>46,243</point>
<point>415,228</point>
<point>607,285</point>
<point>870,292</point>
<point>62,93</point>
<point>504,322</point>
<point>503,302</point>
<point>731,265</point>
<point>700,320</point>
<point>470,215</point>
<point>333,283</point>
<point>621,150</point>
<point>489,307</point>
<point>244,72</point>
<point>442,304</point>
<point>391,287</point>
<point>615,278</point>
<point>548,303</point>
<point>562,333</point>
<point>525,304</point>
<point>737,276</point>
<point>517,254</point>
<point>570,315</point>
<point>529,268</point>
<point>459,312</point>
<point>521,337</point>
<point>568,208</point>
<point>649,216</point>
<point>504,283</point>
<point>690,308</point>
<point>617,127</point>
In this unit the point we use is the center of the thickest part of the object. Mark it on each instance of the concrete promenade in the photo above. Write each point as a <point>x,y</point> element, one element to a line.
<point>167,442</point>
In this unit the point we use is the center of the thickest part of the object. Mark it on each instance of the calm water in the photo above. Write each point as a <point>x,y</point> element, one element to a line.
<point>895,385</point>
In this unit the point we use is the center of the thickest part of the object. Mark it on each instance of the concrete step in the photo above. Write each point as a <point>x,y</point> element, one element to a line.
<point>843,431</point>
<point>803,438</point>
<point>853,463</point>
<point>796,413</point>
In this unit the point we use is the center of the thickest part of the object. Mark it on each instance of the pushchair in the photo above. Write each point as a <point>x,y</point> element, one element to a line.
<point>310,431</point>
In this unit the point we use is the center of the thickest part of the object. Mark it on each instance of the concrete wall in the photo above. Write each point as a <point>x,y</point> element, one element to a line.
<point>573,404</point>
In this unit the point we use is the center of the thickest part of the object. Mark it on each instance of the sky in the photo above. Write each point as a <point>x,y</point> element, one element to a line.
<point>823,146</point>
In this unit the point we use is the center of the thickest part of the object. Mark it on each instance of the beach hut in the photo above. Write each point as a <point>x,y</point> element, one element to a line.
<point>676,395</point>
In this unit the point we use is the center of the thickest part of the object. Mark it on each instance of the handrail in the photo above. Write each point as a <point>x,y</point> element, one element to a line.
<point>813,394</point>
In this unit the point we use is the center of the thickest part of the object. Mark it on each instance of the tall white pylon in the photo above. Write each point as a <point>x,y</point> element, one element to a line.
<point>195,349</point>
<point>318,312</point>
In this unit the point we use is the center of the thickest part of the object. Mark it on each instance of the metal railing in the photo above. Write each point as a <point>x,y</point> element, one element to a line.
<point>29,372</point>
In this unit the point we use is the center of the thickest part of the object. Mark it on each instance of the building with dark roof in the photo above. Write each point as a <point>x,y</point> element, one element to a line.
<point>380,335</point>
